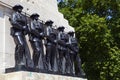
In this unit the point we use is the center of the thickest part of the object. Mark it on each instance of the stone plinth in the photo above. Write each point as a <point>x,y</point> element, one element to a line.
<point>35,76</point>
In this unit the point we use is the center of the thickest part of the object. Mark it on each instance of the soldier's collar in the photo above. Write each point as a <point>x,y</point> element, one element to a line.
<point>35,20</point>
<point>18,13</point>
<point>60,31</point>
<point>50,26</point>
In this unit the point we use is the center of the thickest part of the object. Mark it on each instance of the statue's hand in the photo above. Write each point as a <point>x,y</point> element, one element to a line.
<point>26,30</point>
<point>24,27</point>
<point>67,44</point>
<point>42,35</point>
<point>55,41</point>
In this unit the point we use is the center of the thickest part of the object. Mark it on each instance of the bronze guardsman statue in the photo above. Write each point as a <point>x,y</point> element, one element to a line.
<point>18,31</point>
<point>63,52</point>
<point>50,46</point>
<point>74,56</point>
<point>36,36</point>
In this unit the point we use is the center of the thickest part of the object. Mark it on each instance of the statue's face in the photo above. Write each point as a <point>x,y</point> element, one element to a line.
<point>36,18</point>
<point>62,30</point>
<point>19,10</point>
<point>72,35</point>
<point>50,24</point>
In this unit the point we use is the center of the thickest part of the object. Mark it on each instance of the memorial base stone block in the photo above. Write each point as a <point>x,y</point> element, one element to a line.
<point>22,75</point>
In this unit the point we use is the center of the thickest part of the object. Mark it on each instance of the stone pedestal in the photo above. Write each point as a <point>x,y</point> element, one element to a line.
<point>35,76</point>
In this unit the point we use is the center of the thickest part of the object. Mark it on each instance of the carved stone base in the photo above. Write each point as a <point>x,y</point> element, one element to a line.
<point>22,75</point>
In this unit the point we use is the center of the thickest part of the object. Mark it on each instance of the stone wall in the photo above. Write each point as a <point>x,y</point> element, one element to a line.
<point>6,41</point>
<point>46,8</point>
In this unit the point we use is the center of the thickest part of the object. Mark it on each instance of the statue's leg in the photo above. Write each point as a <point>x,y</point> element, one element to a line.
<point>52,58</point>
<point>72,64</point>
<point>60,67</point>
<point>43,64</point>
<point>36,53</point>
<point>68,65</point>
<point>80,70</point>
<point>57,58</point>
<point>16,56</point>
<point>28,60</point>
<point>48,55</point>
<point>44,61</point>
<point>20,50</point>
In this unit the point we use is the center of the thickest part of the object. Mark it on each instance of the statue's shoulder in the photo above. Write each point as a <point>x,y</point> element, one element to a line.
<point>14,14</point>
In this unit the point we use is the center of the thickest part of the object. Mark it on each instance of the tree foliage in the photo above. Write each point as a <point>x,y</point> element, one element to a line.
<point>97,26</point>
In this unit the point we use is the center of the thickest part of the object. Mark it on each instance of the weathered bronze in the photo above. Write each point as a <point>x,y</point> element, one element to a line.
<point>74,50</point>
<point>18,31</point>
<point>35,37</point>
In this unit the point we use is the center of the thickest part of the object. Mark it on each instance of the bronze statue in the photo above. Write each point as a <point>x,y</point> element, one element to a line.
<point>36,36</point>
<point>50,45</point>
<point>74,56</point>
<point>59,45</point>
<point>18,31</point>
<point>63,51</point>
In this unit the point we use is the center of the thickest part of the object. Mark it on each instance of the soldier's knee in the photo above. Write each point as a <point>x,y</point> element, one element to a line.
<point>79,60</point>
<point>60,56</point>
<point>37,51</point>
<point>21,47</point>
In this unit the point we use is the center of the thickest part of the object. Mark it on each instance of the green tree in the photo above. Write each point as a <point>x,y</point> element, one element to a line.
<point>97,26</point>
